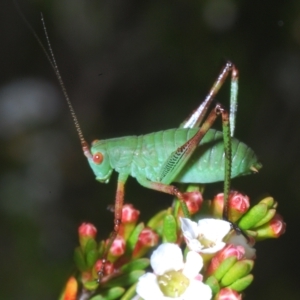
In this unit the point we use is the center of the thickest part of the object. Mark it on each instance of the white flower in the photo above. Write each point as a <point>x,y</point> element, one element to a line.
<point>172,278</point>
<point>206,236</point>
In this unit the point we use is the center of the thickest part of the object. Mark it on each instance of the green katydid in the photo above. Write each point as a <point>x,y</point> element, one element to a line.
<point>192,153</point>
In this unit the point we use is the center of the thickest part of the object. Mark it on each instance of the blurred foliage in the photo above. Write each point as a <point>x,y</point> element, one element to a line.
<point>134,67</point>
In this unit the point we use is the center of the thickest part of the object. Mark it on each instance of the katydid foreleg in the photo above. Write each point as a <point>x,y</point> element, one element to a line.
<point>119,201</point>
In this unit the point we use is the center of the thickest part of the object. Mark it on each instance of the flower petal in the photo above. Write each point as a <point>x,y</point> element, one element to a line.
<point>197,290</point>
<point>195,245</point>
<point>190,233</point>
<point>147,287</point>
<point>193,265</point>
<point>189,228</point>
<point>165,258</point>
<point>213,229</point>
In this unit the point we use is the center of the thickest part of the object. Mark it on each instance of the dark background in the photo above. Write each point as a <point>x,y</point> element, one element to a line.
<point>132,67</point>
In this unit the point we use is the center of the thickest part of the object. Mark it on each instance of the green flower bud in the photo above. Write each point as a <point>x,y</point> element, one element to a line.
<point>242,283</point>
<point>237,271</point>
<point>253,216</point>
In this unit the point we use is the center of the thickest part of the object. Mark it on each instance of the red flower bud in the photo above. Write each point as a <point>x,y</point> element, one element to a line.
<point>194,201</point>
<point>86,232</point>
<point>228,251</point>
<point>108,268</point>
<point>238,204</point>
<point>278,225</point>
<point>228,294</point>
<point>273,229</point>
<point>147,239</point>
<point>217,205</point>
<point>117,248</point>
<point>130,216</point>
<point>129,213</point>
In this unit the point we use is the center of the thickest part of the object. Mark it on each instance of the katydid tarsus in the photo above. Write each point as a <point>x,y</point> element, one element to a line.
<point>191,153</point>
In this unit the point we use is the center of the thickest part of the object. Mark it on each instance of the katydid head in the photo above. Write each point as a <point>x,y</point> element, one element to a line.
<point>98,160</point>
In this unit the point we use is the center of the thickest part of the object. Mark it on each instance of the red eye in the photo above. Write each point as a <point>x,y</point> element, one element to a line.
<point>98,158</point>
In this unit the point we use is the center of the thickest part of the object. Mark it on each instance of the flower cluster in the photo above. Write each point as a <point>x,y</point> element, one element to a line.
<point>205,257</point>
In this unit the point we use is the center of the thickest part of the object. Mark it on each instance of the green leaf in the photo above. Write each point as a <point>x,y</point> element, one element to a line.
<point>138,264</point>
<point>79,259</point>
<point>110,294</point>
<point>101,248</point>
<point>237,271</point>
<point>133,238</point>
<point>156,221</point>
<point>130,293</point>
<point>170,229</point>
<point>269,201</point>
<point>91,285</point>
<point>269,215</point>
<point>242,283</point>
<point>213,283</point>
<point>91,258</point>
<point>224,267</point>
<point>125,279</point>
<point>253,216</point>
<point>90,245</point>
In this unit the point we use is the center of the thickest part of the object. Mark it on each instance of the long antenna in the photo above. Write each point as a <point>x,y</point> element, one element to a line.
<point>52,61</point>
<point>61,83</point>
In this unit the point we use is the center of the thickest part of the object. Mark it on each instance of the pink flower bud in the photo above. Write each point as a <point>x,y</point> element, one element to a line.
<point>129,214</point>
<point>194,201</point>
<point>147,239</point>
<point>86,232</point>
<point>239,202</point>
<point>238,205</point>
<point>228,294</point>
<point>278,225</point>
<point>228,251</point>
<point>273,229</point>
<point>117,248</point>
<point>217,205</point>
<point>108,268</point>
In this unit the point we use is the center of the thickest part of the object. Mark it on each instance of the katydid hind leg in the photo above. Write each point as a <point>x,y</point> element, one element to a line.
<point>228,159</point>
<point>233,98</point>
<point>197,116</point>
<point>168,189</point>
<point>177,160</point>
<point>192,145</point>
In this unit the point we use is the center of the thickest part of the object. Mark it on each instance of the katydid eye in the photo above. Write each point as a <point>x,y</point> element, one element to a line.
<point>98,158</point>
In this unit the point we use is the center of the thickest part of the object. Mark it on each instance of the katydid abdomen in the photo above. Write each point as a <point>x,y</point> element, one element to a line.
<point>145,155</point>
